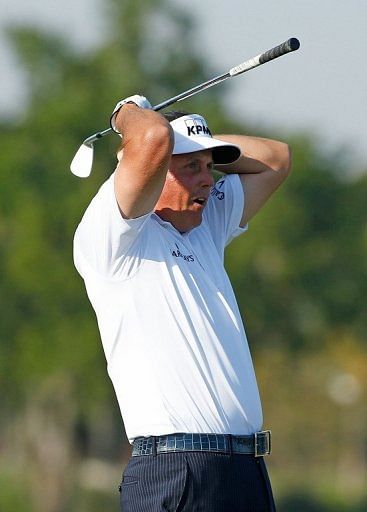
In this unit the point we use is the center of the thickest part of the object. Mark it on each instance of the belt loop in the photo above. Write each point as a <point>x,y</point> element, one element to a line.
<point>154,446</point>
<point>230,445</point>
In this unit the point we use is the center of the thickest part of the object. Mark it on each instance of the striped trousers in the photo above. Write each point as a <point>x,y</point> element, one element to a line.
<point>196,482</point>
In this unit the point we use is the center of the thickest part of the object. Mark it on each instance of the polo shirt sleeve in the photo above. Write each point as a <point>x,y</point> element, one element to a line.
<point>104,238</point>
<point>224,211</point>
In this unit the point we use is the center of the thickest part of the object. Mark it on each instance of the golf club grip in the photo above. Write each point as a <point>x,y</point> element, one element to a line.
<point>290,45</point>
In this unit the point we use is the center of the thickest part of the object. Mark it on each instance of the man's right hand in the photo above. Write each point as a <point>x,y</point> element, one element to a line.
<point>140,101</point>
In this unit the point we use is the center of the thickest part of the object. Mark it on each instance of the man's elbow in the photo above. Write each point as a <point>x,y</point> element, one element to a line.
<point>283,161</point>
<point>159,141</point>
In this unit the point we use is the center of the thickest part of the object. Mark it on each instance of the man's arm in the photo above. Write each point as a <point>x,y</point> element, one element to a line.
<point>263,165</point>
<point>147,148</point>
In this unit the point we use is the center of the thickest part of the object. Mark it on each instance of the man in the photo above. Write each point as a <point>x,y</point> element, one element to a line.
<point>150,250</point>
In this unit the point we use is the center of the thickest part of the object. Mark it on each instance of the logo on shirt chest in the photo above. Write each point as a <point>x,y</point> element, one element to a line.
<point>178,254</point>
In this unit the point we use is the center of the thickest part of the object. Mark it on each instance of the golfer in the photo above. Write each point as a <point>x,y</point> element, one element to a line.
<point>150,250</point>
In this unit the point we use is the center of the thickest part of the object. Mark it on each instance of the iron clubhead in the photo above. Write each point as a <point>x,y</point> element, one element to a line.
<point>81,165</point>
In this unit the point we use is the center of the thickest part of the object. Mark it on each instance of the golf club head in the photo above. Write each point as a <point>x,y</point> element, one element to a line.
<point>81,165</point>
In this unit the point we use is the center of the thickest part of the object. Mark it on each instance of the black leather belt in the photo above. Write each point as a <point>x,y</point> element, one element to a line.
<point>258,444</point>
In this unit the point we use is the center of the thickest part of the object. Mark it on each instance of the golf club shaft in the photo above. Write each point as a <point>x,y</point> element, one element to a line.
<point>290,45</point>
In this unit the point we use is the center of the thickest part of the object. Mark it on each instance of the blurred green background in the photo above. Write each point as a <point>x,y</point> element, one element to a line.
<point>299,275</point>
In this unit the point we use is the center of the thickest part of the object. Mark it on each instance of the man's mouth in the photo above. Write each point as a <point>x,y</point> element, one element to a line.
<point>200,200</point>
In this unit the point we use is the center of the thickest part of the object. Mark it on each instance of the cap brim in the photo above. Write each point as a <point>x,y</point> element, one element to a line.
<point>223,153</point>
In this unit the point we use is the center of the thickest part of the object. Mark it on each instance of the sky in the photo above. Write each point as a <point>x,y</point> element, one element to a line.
<point>320,89</point>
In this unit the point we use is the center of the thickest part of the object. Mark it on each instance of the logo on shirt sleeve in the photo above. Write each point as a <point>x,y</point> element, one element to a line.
<point>178,254</point>
<point>216,192</point>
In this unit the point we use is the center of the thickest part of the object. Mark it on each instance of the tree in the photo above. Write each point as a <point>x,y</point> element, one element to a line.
<point>304,255</point>
<point>298,272</point>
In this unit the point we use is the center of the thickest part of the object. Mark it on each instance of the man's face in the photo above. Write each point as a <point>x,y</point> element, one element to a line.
<point>186,190</point>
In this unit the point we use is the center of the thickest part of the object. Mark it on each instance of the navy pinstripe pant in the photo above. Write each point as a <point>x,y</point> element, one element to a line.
<point>196,482</point>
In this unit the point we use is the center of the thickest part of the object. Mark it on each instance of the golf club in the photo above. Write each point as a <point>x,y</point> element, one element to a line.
<point>81,165</point>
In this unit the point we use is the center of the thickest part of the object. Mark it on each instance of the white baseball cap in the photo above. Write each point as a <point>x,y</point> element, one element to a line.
<point>192,134</point>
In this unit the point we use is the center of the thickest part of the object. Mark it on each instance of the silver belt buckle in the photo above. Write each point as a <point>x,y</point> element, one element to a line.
<point>262,443</point>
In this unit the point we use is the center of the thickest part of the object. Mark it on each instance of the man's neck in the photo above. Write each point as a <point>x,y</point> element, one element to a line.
<point>181,221</point>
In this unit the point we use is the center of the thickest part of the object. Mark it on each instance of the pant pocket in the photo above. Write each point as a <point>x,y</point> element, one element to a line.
<point>128,490</point>
<point>128,480</point>
<point>155,484</point>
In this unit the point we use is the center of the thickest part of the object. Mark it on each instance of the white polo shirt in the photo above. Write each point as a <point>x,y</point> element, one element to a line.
<point>173,337</point>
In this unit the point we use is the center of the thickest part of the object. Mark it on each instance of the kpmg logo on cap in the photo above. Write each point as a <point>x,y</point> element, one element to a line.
<point>197,127</point>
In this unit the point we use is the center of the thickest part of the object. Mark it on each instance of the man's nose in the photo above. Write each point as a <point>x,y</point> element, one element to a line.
<point>207,177</point>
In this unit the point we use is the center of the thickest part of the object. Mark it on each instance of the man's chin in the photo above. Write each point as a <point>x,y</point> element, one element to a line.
<point>196,216</point>
<point>189,220</point>
<point>183,220</point>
